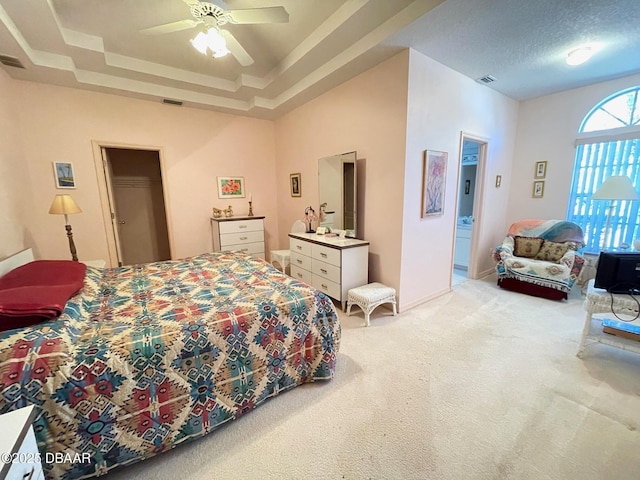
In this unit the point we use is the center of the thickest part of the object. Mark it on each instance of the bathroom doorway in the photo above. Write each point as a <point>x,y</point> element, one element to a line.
<point>472,154</point>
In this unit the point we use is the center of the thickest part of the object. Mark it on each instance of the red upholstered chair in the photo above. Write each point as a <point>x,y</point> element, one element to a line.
<point>540,257</point>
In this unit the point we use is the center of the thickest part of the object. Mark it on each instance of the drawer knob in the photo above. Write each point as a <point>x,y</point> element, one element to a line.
<point>242,226</point>
<point>323,255</point>
<point>323,270</point>
<point>299,261</point>
<point>323,286</point>
<point>244,250</point>
<point>298,247</point>
<point>299,275</point>
<point>243,238</point>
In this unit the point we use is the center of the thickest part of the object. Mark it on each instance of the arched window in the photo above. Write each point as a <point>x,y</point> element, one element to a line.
<point>609,145</point>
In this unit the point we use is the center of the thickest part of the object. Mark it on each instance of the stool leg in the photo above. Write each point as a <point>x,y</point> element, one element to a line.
<point>349,309</point>
<point>394,308</point>
<point>366,316</point>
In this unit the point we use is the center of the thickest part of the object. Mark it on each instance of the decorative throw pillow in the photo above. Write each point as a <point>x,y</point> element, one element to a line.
<point>552,251</point>
<point>527,246</point>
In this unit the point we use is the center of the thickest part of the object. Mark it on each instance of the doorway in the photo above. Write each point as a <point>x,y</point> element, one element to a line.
<point>470,173</point>
<point>135,198</point>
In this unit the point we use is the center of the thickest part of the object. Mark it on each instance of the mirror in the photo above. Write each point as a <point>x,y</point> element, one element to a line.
<point>337,192</point>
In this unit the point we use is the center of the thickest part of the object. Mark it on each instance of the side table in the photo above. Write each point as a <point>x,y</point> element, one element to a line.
<point>599,301</point>
<point>94,263</point>
<point>21,458</point>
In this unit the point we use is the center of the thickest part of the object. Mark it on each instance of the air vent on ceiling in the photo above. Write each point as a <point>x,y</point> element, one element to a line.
<point>11,61</point>
<point>168,101</point>
<point>487,79</point>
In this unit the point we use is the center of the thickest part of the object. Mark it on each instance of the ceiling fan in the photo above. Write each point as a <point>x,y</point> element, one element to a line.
<point>211,15</point>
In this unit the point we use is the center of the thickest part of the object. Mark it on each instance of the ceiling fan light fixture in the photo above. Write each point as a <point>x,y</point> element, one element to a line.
<point>579,55</point>
<point>211,40</point>
<point>199,42</point>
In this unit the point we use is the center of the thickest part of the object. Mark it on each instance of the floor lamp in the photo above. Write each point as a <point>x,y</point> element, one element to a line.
<point>614,188</point>
<point>64,205</point>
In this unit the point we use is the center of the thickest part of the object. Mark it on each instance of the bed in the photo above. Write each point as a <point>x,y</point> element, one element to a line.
<point>149,356</point>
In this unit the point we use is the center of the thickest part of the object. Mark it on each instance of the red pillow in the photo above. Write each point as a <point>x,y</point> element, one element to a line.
<point>38,291</point>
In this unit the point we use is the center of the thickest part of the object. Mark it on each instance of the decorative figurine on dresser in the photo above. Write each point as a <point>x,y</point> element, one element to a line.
<point>240,234</point>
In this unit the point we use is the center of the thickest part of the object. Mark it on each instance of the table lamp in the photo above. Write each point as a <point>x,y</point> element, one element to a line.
<point>64,205</point>
<point>617,187</point>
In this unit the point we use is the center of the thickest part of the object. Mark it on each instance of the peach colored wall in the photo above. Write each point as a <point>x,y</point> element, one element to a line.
<point>547,129</point>
<point>366,114</point>
<point>196,146</point>
<point>442,104</point>
<point>15,191</point>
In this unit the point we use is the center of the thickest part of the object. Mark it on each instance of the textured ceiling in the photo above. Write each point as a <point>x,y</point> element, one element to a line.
<point>523,43</point>
<point>97,45</point>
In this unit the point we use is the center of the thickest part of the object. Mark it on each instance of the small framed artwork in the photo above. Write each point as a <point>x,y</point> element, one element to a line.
<point>63,172</point>
<point>541,169</point>
<point>538,189</point>
<point>433,182</point>
<point>231,187</point>
<point>295,180</point>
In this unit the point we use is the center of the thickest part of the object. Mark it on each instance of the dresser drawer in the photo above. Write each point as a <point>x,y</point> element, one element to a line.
<point>301,274</point>
<point>326,270</point>
<point>300,261</point>
<point>237,226</point>
<point>326,254</point>
<point>243,237</point>
<point>300,246</point>
<point>327,286</point>
<point>250,248</point>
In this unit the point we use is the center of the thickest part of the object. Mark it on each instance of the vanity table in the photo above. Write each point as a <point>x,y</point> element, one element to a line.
<point>330,264</point>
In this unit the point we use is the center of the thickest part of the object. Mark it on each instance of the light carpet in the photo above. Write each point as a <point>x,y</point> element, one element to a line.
<point>480,383</point>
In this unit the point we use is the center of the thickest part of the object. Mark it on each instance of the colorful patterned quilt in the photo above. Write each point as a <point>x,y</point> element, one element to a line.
<point>149,356</point>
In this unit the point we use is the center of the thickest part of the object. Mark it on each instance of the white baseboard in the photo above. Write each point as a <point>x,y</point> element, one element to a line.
<point>422,300</point>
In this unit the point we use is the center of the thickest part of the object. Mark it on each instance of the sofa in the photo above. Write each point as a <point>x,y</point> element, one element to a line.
<point>540,257</point>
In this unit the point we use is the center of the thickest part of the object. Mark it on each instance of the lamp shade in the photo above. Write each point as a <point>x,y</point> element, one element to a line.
<point>616,188</point>
<point>63,205</point>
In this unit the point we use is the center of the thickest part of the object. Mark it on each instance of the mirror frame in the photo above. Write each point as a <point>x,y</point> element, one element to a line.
<point>328,176</point>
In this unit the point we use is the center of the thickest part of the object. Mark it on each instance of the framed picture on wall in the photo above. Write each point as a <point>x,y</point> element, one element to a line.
<point>64,176</point>
<point>295,182</point>
<point>433,182</point>
<point>538,189</point>
<point>541,169</point>
<point>231,187</point>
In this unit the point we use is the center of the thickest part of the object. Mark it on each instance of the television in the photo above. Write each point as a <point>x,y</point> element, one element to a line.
<point>619,272</point>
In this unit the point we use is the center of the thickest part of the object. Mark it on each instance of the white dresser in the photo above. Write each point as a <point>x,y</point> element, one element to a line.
<point>20,455</point>
<point>332,265</point>
<point>239,234</point>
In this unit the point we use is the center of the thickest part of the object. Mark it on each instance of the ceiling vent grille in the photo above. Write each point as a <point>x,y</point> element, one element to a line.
<point>168,101</point>
<point>487,79</point>
<point>11,61</point>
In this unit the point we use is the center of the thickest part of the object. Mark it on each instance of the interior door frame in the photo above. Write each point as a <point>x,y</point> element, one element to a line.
<point>104,192</point>
<point>478,199</point>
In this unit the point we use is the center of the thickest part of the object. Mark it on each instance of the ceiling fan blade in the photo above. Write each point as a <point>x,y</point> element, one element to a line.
<point>236,49</point>
<point>260,15</point>
<point>170,27</point>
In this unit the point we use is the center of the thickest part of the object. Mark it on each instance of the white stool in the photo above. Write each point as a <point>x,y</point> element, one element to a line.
<point>369,297</point>
<point>283,257</point>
